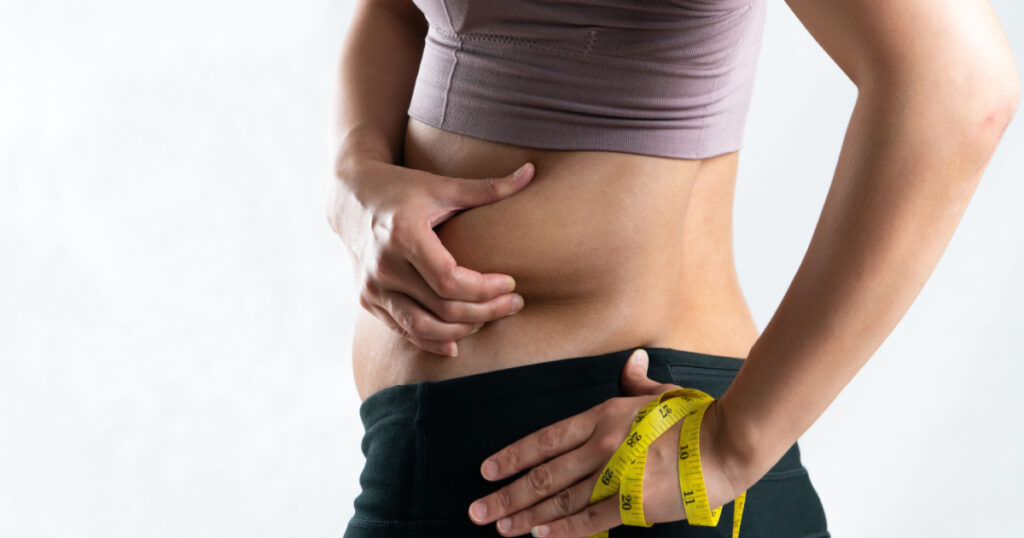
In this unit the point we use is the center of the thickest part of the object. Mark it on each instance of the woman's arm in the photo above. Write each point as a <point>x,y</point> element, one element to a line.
<point>936,89</point>
<point>378,65</point>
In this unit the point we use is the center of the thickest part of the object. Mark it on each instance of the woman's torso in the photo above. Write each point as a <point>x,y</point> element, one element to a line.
<point>609,250</point>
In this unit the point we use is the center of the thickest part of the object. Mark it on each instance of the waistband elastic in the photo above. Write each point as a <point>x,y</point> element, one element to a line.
<point>545,377</point>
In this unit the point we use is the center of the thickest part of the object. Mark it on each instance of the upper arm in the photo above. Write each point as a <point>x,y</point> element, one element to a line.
<point>956,46</point>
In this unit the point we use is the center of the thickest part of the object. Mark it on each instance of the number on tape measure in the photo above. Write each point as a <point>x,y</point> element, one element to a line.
<point>623,475</point>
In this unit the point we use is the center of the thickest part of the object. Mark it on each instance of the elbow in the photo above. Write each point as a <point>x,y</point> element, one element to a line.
<point>963,104</point>
<point>1002,93</point>
<point>995,97</point>
<point>981,122</point>
<point>994,110</point>
<point>1010,103</point>
<point>960,118</point>
<point>978,114</point>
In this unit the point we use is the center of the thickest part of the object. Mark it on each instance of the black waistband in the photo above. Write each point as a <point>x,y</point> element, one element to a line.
<point>544,377</point>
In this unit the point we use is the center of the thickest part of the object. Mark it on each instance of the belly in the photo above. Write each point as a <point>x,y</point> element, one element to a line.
<point>609,250</point>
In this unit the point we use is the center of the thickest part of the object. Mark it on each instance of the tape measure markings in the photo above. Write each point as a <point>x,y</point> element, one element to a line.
<point>623,474</point>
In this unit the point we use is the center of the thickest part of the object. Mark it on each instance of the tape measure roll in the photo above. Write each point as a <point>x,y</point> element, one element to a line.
<point>624,473</point>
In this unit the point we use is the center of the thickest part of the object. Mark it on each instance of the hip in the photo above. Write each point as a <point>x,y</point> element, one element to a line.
<point>424,443</point>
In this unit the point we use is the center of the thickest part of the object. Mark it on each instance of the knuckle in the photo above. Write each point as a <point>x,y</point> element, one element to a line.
<point>496,310</point>
<point>417,325</point>
<point>380,224</point>
<point>608,443</point>
<point>493,185</point>
<point>397,327</point>
<point>379,261</point>
<point>370,288</point>
<point>540,478</point>
<point>384,272</point>
<point>402,318</point>
<point>447,310</point>
<point>446,282</point>
<point>509,458</point>
<point>393,242</point>
<point>588,518</point>
<point>548,437</point>
<point>401,237</point>
<point>563,501</point>
<point>401,232</point>
<point>615,404</point>
<point>504,500</point>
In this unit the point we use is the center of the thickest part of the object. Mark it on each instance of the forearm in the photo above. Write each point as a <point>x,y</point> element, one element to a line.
<point>377,71</point>
<point>906,171</point>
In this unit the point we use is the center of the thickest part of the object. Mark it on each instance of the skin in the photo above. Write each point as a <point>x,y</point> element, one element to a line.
<point>936,89</point>
<point>585,442</point>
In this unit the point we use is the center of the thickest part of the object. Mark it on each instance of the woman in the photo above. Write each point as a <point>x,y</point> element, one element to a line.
<point>628,118</point>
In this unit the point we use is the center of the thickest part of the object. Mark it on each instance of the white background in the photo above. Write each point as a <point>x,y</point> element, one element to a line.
<point>176,315</point>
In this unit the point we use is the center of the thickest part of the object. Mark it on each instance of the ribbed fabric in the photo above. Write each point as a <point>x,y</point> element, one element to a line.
<point>670,78</point>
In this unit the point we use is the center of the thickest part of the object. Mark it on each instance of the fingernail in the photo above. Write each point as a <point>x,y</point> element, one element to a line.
<point>504,524</point>
<point>479,510</point>
<point>517,304</point>
<point>511,286</point>
<point>540,531</point>
<point>522,169</point>
<point>477,328</point>
<point>490,469</point>
<point>454,350</point>
<point>639,359</point>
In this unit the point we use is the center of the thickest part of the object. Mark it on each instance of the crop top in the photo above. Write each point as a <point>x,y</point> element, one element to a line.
<point>671,78</point>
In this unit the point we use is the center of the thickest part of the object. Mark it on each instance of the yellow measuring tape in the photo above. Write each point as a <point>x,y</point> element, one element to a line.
<point>624,472</point>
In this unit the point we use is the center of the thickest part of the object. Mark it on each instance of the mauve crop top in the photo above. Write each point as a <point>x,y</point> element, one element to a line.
<point>671,78</point>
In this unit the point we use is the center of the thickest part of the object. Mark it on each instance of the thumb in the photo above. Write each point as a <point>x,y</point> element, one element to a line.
<point>465,193</point>
<point>634,380</point>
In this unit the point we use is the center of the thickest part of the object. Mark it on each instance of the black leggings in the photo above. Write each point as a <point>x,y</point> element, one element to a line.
<point>424,443</point>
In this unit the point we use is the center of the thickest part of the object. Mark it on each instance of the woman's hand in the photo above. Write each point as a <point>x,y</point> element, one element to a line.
<point>386,215</point>
<point>565,458</point>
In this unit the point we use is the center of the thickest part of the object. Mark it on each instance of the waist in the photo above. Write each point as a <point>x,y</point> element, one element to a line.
<point>609,250</point>
<point>542,333</point>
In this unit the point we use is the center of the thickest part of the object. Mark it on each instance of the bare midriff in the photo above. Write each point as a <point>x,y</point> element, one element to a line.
<point>609,250</point>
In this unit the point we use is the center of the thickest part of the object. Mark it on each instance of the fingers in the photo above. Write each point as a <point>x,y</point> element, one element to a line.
<point>410,307</point>
<point>389,226</point>
<point>446,348</point>
<point>565,502</point>
<point>418,322</point>
<point>592,519</point>
<point>445,276</point>
<point>405,279</point>
<point>539,446</point>
<point>539,483</point>
<point>433,261</point>
<point>459,193</point>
